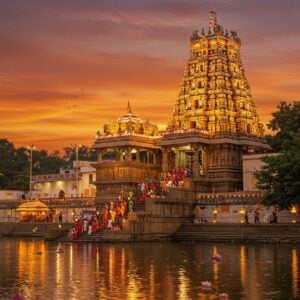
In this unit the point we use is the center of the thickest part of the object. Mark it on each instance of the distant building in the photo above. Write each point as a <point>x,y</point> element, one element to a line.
<point>75,182</point>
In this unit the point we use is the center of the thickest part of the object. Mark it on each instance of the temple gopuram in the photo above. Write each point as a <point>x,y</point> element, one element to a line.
<point>214,124</point>
<point>215,120</point>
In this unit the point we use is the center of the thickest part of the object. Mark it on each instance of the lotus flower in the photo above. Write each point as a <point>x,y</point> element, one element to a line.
<point>206,285</point>
<point>223,296</point>
<point>217,256</point>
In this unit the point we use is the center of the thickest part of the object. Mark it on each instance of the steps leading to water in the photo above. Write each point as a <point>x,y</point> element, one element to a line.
<point>139,207</point>
<point>236,232</point>
<point>84,237</point>
<point>29,230</point>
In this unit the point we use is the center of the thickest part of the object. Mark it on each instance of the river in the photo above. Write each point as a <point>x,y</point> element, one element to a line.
<point>147,270</point>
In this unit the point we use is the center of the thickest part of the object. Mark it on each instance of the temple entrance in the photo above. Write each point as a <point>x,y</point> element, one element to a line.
<point>61,194</point>
<point>184,157</point>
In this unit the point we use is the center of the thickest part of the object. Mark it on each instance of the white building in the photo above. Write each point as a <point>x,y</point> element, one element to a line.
<point>251,164</point>
<point>76,182</point>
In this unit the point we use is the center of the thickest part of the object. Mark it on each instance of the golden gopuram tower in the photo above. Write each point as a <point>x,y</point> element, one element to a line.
<point>214,120</point>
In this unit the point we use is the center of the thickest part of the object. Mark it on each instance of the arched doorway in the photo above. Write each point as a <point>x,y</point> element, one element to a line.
<point>61,194</point>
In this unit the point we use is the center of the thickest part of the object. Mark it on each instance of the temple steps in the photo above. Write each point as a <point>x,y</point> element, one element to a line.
<point>29,230</point>
<point>235,232</point>
<point>139,207</point>
<point>84,237</point>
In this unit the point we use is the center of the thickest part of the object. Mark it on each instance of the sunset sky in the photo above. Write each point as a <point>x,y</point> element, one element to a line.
<point>69,66</point>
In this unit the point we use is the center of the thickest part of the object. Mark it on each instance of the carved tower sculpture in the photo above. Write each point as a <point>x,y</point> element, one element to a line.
<point>214,112</point>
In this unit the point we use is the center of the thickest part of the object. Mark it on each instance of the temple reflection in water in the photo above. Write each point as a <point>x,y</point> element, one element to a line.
<point>148,270</point>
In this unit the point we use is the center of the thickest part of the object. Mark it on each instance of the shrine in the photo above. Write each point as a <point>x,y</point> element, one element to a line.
<point>127,154</point>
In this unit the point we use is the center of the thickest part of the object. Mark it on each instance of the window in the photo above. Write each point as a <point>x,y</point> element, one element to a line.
<point>91,181</point>
<point>133,154</point>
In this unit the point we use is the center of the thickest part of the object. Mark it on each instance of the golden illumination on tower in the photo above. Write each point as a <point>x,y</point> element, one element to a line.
<point>128,124</point>
<point>215,94</point>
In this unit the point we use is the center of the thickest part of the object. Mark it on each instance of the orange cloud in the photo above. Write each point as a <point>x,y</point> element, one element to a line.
<point>68,68</point>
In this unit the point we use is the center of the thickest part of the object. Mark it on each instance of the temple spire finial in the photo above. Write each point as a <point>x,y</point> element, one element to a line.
<point>212,19</point>
<point>129,108</point>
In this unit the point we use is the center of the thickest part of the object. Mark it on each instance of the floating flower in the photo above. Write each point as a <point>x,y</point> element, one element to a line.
<point>223,296</point>
<point>217,256</point>
<point>206,285</point>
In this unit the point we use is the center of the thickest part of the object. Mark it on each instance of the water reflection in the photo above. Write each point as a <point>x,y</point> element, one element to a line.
<point>295,272</point>
<point>147,271</point>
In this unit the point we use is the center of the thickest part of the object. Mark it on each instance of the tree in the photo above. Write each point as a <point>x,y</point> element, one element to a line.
<point>13,166</point>
<point>279,179</point>
<point>14,163</point>
<point>84,153</point>
<point>286,122</point>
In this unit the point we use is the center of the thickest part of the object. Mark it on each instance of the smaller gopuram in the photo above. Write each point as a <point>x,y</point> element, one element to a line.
<point>127,154</point>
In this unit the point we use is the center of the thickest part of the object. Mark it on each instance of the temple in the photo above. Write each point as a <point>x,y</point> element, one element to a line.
<point>128,153</point>
<point>214,124</point>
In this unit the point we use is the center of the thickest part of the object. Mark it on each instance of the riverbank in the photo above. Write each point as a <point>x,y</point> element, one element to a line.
<point>267,233</point>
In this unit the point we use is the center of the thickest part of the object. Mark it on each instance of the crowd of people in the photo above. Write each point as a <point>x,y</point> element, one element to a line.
<point>110,218</point>
<point>113,214</point>
<point>84,226</point>
<point>161,186</point>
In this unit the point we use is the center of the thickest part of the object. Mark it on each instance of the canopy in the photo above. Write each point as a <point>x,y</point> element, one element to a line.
<point>33,206</point>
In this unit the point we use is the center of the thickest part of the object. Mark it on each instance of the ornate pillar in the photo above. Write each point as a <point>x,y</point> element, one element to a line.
<point>128,153</point>
<point>196,166</point>
<point>165,158</point>
<point>100,151</point>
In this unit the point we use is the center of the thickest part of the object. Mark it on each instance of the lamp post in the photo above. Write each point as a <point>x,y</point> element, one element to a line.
<point>76,169</point>
<point>30,148</point>
<point>294,213</point>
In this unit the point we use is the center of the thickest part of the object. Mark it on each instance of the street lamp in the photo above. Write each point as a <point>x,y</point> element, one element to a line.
<point>30,148</point>
<point>76,168</point>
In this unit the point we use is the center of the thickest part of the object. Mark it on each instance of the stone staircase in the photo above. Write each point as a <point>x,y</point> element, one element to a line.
<point>276,233</point>
<point>139,207</point>
<point>29,230</point>
<point>84,237</point>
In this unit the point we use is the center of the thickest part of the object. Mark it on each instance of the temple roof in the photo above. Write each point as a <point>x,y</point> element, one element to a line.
<point>130,116</point>
<point>34,205</point>
<point>128,124</point>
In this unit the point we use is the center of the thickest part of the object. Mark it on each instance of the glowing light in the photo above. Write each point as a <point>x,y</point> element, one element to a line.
<point>293,210</point>
<point>242,211</point>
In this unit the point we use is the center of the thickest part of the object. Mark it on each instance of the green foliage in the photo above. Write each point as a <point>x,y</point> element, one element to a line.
<point>279,178</point>
<point>15,162</point>
<point>84,153</point>
<point>286,121</point>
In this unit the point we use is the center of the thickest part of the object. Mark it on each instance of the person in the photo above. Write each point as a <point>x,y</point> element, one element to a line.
<point>274,216</point>
<point>130,205</point>
<point>85,225</point>
<point>90,228</point>
<point>246,218</point>
<point>256,215</point>
<point>60,218</point>
<point>197,214</point>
